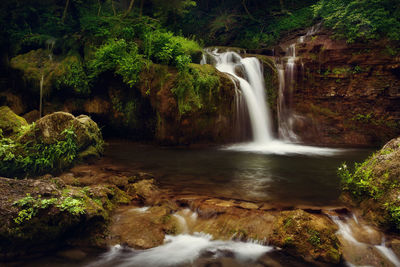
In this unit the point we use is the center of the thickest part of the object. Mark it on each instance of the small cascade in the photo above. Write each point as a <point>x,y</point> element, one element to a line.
<point>50,43</point>
<point>359,240</point>
<point>287,73</point>
<point>41,96</point>
<point>183,250</point>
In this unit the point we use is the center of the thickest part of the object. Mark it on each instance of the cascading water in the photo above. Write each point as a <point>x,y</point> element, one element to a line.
<point>248,74</point>
<point>50,46</point>
<point>287,73</point>
<point>252,88</point>
<point>355,246</point>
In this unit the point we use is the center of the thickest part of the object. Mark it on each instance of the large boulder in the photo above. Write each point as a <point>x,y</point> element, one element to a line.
<point>307,235</point>
<point>374,186</point>
<point>10,123</point>
<point>50,128</point>
<point>39,215</point>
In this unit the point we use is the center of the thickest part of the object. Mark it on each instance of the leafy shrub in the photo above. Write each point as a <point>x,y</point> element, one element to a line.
<point>120,57</point>
<point>360,20</point>
<point>165,48</point>
<point>74,77</point>
<point>19,159</point>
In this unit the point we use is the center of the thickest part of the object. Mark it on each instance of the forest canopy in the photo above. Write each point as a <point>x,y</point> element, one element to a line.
<point>244,23</point>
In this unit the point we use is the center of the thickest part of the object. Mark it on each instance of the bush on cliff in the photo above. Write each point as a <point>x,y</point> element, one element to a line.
<point>361,20</point>
<point>375,185</point>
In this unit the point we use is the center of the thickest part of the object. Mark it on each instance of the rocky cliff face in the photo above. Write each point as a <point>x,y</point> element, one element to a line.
<point>164,105</point>
<point>345,94</point>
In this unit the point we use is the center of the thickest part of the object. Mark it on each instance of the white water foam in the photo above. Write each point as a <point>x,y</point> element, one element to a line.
<point>140,210</point>
<point>347,234</point>
<point>388,253</point>
<point>278,147</point>
<point>181,249</point>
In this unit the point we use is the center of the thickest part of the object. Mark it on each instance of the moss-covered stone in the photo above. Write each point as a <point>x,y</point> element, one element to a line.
<point>54,70</point>
<point>49,130</point>
<point>10,123</point>
<point>375,185</point>
<point>306,235</point>
<point>40,214</point>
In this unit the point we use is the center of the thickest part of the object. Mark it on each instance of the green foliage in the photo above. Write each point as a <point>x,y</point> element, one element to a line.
<point>361,20</point>
<point>276,28</point>
<point>30,206</point>
<point>193,86</point>
<point>120,57</point>
<point>360,182</point>
<point>165,48</point>
<point>74,77</point>
<point>21,159</point>
<point>394,213</point>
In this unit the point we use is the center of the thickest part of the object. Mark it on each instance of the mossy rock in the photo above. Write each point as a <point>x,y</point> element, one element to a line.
<point>10,123</point>
<point>39,64</point>
<point>307,235</point>
<point>37,215</point>
<point>374,186</point>
<point>49,130</point>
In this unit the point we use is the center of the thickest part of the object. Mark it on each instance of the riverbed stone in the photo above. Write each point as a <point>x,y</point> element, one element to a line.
<point>306,235</point>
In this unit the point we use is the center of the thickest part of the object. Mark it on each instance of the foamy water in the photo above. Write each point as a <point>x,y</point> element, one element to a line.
<point>181,249</point>
<point>283,148</point>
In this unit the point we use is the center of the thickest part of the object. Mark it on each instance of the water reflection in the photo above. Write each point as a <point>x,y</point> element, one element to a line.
<point>299,179</point>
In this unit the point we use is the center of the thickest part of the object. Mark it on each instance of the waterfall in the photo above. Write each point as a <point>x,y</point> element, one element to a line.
<point>287,76</point>
<point>287,68</point>
<point>41,96</point>
<point>248,73</point>
<point>248,81</point>
<point>50,46</point>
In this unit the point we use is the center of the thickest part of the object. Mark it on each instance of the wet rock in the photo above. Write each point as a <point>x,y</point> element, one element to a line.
<point>345,93</point>
<point>141,229</point>
<point>32,116</point>
<point>146,191</point>
<point>306,235</point>
<point>248,205</point>
<point>10,123</point>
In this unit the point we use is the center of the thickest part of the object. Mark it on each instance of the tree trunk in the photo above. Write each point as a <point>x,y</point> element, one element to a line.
<point>113,7</point>
<point>247,11</point>
<point>99,10</point>
<point>282,6</point>
<point>65,11</point>
<point>141,8</point>
<point>129,9</point>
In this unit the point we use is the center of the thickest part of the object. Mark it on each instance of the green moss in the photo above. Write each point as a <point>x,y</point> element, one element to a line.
<point>10,123</point>
<point>30,206</point>
<point>195,87</point>
<point>314,238</point>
